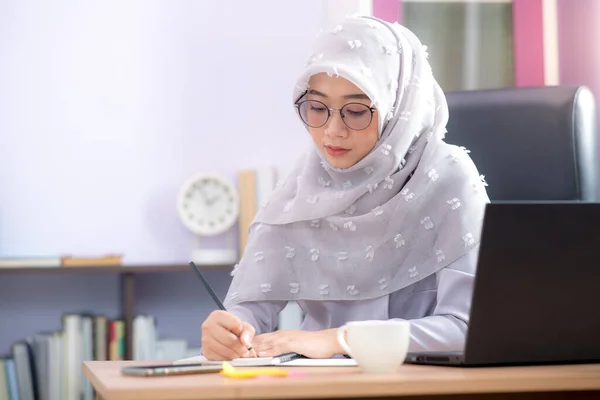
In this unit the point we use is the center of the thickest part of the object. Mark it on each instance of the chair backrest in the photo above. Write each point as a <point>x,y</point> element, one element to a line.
<point>534,143</point>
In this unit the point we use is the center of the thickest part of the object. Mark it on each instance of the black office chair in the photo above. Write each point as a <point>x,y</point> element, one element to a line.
<point>534,143</point>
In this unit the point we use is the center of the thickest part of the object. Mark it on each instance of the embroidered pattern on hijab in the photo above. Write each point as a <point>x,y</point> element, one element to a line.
<point>409,208</point>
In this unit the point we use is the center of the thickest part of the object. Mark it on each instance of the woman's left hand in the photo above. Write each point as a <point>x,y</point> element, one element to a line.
<point>319,344</point>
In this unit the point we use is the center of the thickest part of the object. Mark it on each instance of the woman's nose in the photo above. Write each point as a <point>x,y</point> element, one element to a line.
<point>336,126</point>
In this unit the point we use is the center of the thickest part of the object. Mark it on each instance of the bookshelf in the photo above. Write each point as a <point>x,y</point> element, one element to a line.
<point>127,276</point>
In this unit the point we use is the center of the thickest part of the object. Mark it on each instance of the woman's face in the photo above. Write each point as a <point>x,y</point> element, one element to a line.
<point>339,143</point>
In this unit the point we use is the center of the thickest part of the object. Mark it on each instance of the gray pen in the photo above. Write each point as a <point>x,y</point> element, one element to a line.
<point>214,296</point>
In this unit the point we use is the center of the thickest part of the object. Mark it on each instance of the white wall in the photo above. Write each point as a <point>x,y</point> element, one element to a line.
<point>334,10</point>
<point>107,107</point>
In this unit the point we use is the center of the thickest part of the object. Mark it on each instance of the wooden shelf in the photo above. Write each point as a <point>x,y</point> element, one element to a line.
<point>129,269</point>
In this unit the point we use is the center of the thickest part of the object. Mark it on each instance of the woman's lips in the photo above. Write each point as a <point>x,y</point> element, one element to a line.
<point>336,151</point>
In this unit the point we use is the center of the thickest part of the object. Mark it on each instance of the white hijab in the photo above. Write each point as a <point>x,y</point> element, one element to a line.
<point>409,208</point>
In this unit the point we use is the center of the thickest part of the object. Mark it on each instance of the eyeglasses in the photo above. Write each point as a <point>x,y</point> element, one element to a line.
<point>315,114</point>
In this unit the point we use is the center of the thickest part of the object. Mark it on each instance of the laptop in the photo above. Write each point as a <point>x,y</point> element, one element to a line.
<point>536,298</point>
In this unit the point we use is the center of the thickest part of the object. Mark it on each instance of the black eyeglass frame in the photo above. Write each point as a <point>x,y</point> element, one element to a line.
<point>299,104</point>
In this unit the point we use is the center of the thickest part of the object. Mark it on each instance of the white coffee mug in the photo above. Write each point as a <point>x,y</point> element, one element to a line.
<point>377,346</point>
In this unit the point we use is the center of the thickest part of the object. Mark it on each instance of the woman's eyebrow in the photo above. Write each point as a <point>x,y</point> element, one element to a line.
<point>317,93</point>
<point>353,96</point>
<point>356,96</point>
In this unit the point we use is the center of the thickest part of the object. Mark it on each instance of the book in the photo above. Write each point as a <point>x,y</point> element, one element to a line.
<point>22,354</point>
<point>41,344</point>
<point>4,389</point>
<point>11,378</point>
<point>72,348</point>
<point>103,261</point>
<point>247,189</point>
<point>47,365</point>
<point>30,262</point>
<point>144,338</point>
<point>116,340</point>
<point>255,188</point>
<point>100,338</point>
<point>87,354</point>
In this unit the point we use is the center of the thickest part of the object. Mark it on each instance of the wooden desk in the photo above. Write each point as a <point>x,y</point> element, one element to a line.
<point>411,382</point>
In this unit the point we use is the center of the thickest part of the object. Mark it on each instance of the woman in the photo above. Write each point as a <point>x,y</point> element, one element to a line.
<point>380,220</point>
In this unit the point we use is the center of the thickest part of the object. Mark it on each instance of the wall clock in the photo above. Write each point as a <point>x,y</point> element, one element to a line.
<point>208,205</point>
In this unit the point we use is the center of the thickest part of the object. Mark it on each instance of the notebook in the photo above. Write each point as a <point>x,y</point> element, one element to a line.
<point>282,361</point>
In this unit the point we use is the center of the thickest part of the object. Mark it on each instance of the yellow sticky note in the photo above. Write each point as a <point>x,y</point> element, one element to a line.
<point>231,372</point>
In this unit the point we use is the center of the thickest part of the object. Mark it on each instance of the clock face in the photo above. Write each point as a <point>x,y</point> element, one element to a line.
<point>208,205</point>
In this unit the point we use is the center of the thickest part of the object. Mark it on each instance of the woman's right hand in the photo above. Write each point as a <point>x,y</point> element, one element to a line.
<point>225,337</point>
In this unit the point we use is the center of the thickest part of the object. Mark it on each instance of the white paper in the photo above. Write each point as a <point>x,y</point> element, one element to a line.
<point>321,362</point>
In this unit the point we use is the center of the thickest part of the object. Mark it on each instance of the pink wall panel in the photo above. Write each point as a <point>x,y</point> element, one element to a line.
<point>528,42</point>
<point>388,10</point>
